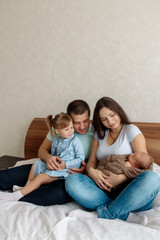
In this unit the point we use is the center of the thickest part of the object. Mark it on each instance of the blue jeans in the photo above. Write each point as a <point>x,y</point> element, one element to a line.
<point>138,195</point>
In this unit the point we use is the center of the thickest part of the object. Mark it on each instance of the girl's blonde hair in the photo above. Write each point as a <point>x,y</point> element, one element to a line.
<point>59,121</point>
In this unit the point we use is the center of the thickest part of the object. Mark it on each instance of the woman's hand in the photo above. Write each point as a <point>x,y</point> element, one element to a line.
<point>80,170</point>
<point>55,163</point>
<point>100,179</point>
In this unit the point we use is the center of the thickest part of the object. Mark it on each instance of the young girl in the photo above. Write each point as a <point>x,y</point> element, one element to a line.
<point>67,150</point>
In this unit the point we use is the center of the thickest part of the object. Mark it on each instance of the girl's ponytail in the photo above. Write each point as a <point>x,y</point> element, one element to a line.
<point>49,122</point>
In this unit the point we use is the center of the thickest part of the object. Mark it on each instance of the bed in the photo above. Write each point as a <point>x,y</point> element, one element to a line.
<point>26,221</point>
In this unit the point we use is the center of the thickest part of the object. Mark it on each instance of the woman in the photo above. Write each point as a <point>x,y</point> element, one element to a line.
<point>114,134</point>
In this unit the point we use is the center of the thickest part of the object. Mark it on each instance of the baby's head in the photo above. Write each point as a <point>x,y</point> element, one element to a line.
<point>140,160</point>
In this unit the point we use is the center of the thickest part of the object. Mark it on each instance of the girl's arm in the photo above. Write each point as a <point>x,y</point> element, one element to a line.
<point>79,155</point>
<point>97,176</point>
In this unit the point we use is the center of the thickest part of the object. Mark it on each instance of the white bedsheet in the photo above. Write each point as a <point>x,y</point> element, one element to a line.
<point>26,221</point>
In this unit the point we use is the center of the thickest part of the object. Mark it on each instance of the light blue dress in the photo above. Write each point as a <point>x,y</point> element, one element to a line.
<point>85,139</point>
<point>69,150</point>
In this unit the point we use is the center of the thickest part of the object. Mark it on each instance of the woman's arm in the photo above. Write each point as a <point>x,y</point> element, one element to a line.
<point>139,144</point>
<point>98,176</point>
<point>92,161</point>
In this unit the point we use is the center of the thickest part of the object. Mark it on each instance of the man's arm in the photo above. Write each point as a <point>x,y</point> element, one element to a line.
<point>80,170</point>
<point>44,150</point>
<point>45,155</point>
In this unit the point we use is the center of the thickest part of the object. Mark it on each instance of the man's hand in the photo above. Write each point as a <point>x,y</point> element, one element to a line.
<point>55,163</point>
<point>80,170</point>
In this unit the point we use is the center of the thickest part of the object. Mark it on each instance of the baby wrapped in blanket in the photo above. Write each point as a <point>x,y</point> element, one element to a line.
<point>121,168</point>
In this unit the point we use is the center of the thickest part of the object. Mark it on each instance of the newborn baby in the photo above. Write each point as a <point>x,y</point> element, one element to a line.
<point>120,168</point>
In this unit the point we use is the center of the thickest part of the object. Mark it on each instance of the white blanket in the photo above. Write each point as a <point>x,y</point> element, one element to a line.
<point>26,221</point>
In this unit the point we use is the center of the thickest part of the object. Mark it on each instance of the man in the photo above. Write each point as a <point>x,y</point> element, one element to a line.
<point>53,193</point>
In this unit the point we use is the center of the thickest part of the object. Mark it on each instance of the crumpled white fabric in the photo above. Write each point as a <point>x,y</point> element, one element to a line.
<point>26,221</point>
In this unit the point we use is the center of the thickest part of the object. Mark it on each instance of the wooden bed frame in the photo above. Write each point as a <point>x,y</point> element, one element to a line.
<point>38,130</point>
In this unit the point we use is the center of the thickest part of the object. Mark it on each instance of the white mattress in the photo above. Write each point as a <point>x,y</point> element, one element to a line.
<point>26,221</point>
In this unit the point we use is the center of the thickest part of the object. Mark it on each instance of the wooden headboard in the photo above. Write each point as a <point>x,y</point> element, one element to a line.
<point>38,130</point>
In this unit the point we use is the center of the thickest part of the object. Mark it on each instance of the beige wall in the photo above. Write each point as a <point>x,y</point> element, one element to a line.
<point>54,51</point>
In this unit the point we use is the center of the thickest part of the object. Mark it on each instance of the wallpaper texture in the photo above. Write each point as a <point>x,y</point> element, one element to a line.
<point>55,51</point>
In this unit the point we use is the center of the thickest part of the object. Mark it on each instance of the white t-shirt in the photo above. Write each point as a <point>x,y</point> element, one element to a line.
<point>121,146</point>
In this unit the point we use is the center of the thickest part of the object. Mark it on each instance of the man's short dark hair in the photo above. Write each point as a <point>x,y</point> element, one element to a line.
<point>78,107</point>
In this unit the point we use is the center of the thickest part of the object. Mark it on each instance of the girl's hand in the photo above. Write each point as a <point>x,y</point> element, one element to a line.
<point>62,164</point>
<point>54,163</point>
<point>100,179</point>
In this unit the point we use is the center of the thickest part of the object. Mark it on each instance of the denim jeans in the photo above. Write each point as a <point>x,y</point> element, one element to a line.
<point>138,195</point>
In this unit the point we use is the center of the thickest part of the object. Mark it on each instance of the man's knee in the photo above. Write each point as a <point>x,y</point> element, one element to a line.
<point>72,182</point>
